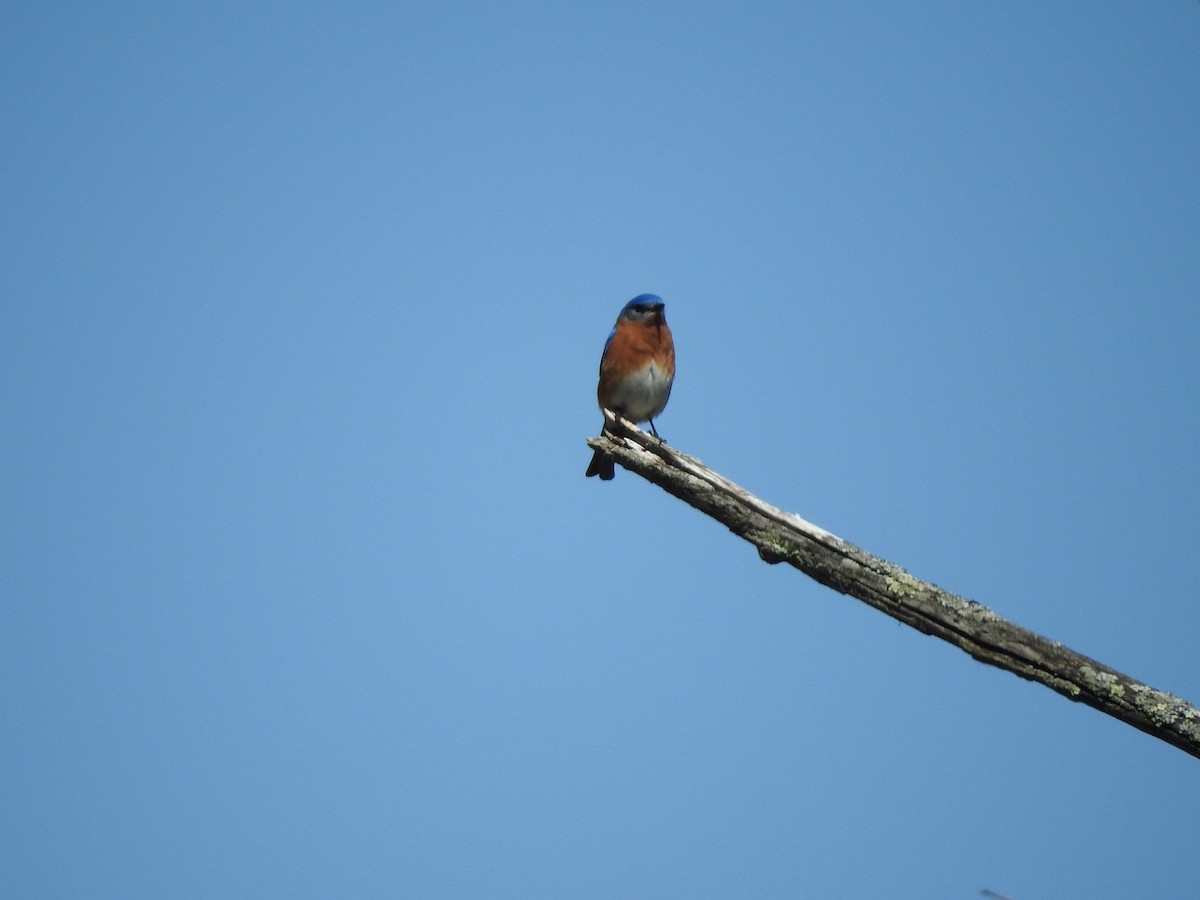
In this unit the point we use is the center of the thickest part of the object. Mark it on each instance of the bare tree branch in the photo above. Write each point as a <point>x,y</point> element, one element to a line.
<point>783,537</point>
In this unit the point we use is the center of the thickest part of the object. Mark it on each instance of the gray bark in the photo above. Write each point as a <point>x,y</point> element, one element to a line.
<point>782,537</point>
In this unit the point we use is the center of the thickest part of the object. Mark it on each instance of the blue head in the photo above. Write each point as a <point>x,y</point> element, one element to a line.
<point>643,308</point>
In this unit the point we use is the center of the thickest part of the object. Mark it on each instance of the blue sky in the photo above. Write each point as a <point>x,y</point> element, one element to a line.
<point>305,593</point>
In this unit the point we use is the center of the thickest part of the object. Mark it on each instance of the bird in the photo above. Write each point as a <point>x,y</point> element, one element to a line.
<point>637,369</point>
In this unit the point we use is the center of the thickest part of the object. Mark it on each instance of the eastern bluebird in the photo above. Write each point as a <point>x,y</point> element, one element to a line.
<point>636,370</point>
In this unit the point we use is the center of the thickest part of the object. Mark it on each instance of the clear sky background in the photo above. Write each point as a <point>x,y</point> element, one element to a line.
<point>304,593</point>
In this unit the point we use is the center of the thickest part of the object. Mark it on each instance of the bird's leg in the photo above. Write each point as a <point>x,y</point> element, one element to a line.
<point>652,429</point>
<point>617,428</point>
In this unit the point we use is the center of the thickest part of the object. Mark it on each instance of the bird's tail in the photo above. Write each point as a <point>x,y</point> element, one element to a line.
<point>602,464</point>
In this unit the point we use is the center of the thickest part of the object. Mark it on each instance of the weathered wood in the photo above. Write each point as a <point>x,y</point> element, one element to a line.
<point>784,537</point>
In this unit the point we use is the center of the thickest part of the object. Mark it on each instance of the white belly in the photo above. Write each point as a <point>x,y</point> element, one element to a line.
<point>643,395</point>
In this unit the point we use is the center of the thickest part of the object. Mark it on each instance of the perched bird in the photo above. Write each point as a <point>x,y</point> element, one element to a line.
<point>636,370</point>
